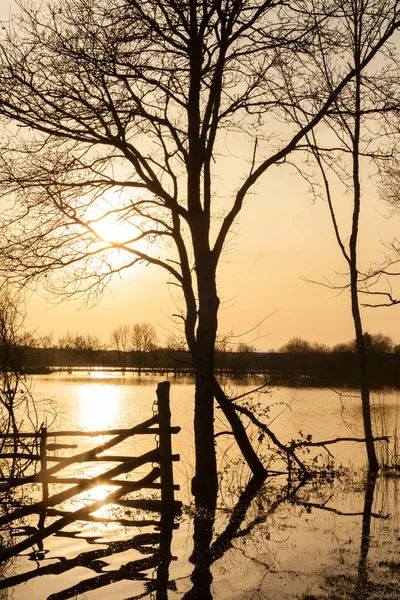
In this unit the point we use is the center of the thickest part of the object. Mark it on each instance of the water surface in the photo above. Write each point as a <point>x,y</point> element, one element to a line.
<point>307,544</point>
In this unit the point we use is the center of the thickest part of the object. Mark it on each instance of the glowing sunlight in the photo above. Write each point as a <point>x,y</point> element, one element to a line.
<point>98,405</point>
<point>112,219</point>
<point>113,230</point>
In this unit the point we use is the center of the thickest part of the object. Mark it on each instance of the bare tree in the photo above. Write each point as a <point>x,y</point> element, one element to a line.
<point>87,348</point>
<point>80,347</point>
<point>120,112</point>
<point>297,345</point>
<point>47,340</point>
<point>377,343</point>
<point>11,320</point>
<point>379,282</point>
<point>357,126</point>
<point>16,404</point>
<point>66,341</point>
<point>143,337</point>
<point>47,343</point>
<point>223,344</point>
<point>138,338</point>
<point>119,340</point>
<point>175,342</point>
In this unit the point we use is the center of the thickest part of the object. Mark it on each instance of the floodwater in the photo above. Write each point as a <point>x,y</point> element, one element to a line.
<point>333,537</point>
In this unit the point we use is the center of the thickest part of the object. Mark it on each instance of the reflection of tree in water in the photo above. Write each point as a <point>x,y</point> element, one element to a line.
<point>365,577</point>
<point>241,529</point>
<point>240,525</point>
<point>362,580</point>
<point>255,507</point>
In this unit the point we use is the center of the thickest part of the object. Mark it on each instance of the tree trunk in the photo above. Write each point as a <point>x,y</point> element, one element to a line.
<point>239,432</point>
<point>364,383</point>
<point>353,244</point>
<point>205,483</point>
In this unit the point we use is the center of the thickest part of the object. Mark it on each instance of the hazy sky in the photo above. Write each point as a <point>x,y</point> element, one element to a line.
<point>281,235</point>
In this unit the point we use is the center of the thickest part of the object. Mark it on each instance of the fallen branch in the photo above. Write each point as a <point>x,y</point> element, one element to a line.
<point>287,449</point>
<point>238,430</point>
<point>225,402</point>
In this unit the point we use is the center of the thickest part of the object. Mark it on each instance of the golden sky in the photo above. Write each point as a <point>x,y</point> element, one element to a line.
<point>282,235</point>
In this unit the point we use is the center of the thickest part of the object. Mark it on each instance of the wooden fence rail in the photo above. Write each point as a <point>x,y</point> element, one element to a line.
<point>80,433</point>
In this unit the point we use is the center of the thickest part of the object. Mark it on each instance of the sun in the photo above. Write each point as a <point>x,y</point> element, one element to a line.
<point>112,230</point>
<point>112,223</point>
<point>108,233</point>
<point>109,216</point>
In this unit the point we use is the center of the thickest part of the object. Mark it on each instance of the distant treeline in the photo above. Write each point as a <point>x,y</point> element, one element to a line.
<point>293,362</point>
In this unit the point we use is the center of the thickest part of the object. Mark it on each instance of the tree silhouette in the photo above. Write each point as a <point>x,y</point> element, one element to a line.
<point>121,112</point>
<point>119,341</point>
<point>356,117</point>
<point>16,403</point>
<point>143,337</point>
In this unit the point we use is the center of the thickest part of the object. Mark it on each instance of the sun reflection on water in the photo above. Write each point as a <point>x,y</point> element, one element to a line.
<point>98,405</point>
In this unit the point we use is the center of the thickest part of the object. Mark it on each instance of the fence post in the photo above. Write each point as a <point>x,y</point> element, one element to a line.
<point>43,461</point>
<point>45,485</point>
<point>167,479</point>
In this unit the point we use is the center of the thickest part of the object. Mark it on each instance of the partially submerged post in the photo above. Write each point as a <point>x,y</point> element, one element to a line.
<point>167,479</point>
<point>167,490</point>
<point>43,462</point>
<point>45,483</point>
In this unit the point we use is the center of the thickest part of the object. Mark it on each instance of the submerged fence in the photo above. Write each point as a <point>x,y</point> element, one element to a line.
<point>159,477</point>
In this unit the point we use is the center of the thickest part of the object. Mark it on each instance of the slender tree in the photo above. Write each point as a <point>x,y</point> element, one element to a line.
<point>119,341</point>
<point>120,112</point>
<point>143,339</point>
<point>356,123</point>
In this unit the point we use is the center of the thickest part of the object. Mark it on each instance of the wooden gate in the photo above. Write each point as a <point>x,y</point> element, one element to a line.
<point>159,477</point>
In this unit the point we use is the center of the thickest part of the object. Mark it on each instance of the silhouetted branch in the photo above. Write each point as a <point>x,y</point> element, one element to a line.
<point>286,449</point>
<point>228,408</point>
<point>295,445</point>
